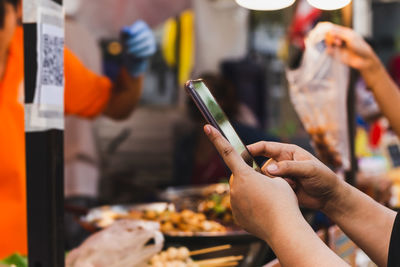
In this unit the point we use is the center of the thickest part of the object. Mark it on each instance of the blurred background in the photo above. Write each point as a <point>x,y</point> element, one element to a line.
<point>243,56</point>
<point>249,48</point>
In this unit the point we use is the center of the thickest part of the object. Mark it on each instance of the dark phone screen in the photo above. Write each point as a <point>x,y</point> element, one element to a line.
<point>222,121</point>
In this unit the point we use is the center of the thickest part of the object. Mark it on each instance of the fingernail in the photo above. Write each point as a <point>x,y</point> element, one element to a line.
<point>272,168</point>
<point>207,129</point>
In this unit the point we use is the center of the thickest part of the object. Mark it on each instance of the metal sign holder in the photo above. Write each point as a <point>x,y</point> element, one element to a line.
<point>44,175</point>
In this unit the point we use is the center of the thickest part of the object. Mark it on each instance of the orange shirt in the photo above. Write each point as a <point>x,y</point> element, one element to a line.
<point>86,94</point>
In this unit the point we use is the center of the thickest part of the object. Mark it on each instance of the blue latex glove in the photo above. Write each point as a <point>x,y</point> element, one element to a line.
<point>139,44</point>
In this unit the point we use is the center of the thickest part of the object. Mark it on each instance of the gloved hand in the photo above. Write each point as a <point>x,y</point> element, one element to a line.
<point>139,44</point>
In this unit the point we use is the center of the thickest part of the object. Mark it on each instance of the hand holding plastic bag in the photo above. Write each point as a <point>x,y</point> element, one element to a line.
<point>318,91</point>
<point>123,244</point>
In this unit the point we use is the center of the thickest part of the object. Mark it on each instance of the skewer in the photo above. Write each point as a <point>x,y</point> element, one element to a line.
<point>209,250</point>
<point>226,264</point>
<point>218,261</point>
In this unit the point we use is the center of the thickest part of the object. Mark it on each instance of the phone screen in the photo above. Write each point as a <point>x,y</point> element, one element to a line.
<point>215,116</point>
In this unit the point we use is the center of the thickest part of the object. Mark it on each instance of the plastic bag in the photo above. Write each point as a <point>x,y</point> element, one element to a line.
<point>318,91</point>
<point>123,244</point>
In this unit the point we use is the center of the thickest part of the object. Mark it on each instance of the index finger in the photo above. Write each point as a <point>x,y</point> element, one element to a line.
<point>275,150</point>
<point>229,155</point>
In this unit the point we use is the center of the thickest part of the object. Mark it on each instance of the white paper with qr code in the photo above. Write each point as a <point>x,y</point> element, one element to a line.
<point>47,110</point>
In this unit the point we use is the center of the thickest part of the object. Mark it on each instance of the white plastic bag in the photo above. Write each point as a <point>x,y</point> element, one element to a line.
<point>123,244</point>
<point>318,91</point>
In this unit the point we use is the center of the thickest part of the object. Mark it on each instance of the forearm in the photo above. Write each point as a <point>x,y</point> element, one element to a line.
<point>296,244</point>
<point>365,221</point>
<point>125,96</point>
<point>385,90</point>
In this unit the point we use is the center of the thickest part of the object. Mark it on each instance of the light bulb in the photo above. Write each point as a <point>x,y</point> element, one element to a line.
<point>329,4</point>
<point>265,4</point>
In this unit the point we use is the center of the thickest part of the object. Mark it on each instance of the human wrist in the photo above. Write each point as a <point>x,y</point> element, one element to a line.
<point>372,72</point>
<point>288,233</point>
<point>337,204</point>
<point>282,225</point>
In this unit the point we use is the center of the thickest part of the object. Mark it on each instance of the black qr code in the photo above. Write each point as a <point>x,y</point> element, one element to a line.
<point>53,60</point>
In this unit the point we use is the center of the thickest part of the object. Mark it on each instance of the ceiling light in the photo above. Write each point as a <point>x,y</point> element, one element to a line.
<point>329,4</point>
<point>265,4</point>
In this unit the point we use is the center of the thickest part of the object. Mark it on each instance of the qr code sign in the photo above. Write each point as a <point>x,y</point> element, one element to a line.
<point>53,60</point>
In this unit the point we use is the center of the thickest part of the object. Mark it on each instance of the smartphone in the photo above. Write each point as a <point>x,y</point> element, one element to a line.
<point>215,116</point>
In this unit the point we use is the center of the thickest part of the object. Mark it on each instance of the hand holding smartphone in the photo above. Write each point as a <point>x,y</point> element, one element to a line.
<point>215,116</point>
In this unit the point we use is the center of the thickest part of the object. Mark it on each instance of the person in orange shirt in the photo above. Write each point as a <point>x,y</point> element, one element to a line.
<point>86,94</point>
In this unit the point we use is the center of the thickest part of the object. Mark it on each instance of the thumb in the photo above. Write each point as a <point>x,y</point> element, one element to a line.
<point>291,169</point>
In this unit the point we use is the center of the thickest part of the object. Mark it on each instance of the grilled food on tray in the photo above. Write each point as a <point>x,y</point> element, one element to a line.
<point>184,221</point>
<point>181,257</point>
<point>173,257</point>
<point>170,221</point>
<point>217,207</point>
